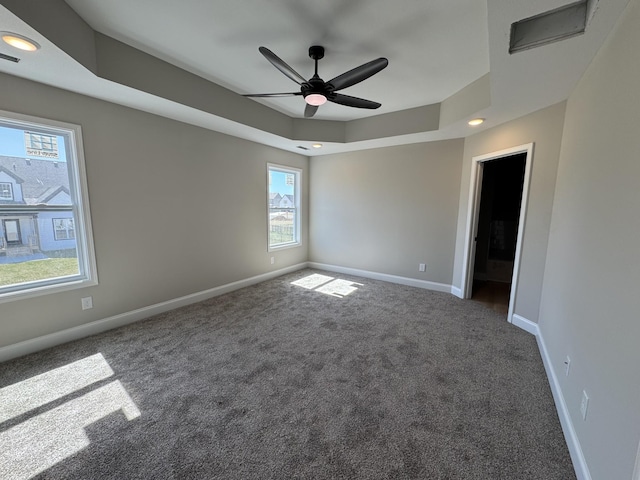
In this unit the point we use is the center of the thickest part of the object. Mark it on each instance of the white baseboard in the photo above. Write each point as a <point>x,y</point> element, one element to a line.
<point>456,291</point>
<point>99,326</point>
<point>636,470</point>
<point>570,436</point>
<point>525,324</point>
<point>412,282</point>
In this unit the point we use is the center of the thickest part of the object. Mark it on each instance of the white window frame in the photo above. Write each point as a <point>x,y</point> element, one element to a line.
<point>11,194</point>
<point>297,241</point>
<point>88,273</point>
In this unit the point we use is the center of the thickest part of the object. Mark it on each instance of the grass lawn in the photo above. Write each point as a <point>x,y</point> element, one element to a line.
<point>37,270</point>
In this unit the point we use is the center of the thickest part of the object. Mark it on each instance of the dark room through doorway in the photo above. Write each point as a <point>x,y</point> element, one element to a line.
<point>497,231</point>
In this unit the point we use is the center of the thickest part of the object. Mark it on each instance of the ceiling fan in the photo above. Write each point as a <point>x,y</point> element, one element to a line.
<point>316,91</point>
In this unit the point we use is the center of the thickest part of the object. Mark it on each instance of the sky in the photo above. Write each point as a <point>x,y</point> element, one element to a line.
<point>12,144</point>
<point>278,183</point>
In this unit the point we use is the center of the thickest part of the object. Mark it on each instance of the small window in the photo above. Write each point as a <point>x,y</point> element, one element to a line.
<point>6,191</point>
<point>63,229</point>
<point>45,230</point>
<point>284,206</point>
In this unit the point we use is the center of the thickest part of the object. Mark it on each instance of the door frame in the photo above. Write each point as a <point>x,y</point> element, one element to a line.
<point>636,469</point>
<point>473,211</point>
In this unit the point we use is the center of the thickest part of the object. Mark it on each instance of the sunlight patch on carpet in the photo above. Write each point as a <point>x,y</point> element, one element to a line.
<point>43,440</point>
<point>327,285</point>
<point>36,391</point>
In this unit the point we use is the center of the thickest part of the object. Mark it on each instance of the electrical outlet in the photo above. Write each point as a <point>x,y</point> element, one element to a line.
<point>273,260</point>
<point>87,303</point>
<point>567,365</point>
<point>422,267</point>
<point>584,405</point>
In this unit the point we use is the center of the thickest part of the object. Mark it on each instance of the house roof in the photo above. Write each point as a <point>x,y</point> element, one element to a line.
<point>11,174</point>
<point>40,179</point>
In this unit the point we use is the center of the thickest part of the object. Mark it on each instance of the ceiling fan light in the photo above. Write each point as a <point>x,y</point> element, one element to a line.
<point>315,99</point>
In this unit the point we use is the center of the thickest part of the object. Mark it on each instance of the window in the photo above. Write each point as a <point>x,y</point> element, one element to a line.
<point>6,191</point>
<point>63,229</point>
<point>284,206</point>
<point>45,229</point>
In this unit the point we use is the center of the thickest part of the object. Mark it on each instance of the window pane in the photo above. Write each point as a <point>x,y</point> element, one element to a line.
<point>38,244</point>
<point>283,206</point>
<point>6,191</point>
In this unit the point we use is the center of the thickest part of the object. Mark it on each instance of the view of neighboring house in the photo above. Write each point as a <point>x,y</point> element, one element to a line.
<point>32,188</point>
<point>277,200</point>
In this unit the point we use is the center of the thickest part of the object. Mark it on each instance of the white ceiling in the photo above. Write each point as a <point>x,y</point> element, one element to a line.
<point>435,49</point>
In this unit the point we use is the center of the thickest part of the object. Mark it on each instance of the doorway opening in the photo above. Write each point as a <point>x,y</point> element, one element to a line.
<point>497,232</point>
<point>495,225</point>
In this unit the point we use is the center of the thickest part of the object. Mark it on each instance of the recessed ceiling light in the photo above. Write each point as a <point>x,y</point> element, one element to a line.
<point>20,41</point>
<point>317,145</point>
<point>476,121</point>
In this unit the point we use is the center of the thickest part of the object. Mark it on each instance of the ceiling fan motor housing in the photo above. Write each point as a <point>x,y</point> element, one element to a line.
<point>316,85</point>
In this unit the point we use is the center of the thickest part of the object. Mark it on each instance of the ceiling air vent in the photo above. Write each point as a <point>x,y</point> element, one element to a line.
<point>302,148</point>
<point>549,27</point>
<point>9,57</point>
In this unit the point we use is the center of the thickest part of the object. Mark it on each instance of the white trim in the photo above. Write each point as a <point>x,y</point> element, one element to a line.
<point>570,436</point>
<point>98,326</point>
<point>412,282</point>
<point>525,324</point>
<point>473,211</point>
<point>456,291</point>
<point>636,470</point>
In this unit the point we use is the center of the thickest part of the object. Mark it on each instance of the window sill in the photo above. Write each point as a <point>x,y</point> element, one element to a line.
<point>37,291</point>
<point>284,246</point>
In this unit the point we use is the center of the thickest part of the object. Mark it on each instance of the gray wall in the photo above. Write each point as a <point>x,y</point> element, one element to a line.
<point>387,210</point>
<point>176,209</point>
<point>590,300</point>
<point>544,129</point>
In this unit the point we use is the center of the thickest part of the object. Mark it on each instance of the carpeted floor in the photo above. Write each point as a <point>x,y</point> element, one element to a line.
<point>353,378</point>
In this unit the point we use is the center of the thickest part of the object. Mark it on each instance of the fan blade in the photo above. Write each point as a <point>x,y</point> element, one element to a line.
<point>352,101</point>
<point>282,66</point>
<point>292,94</point>
<point>310,110</point>
<point>358,74</point>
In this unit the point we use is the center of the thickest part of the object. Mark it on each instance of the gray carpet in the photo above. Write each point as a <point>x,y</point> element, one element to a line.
<point>278,381</point>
